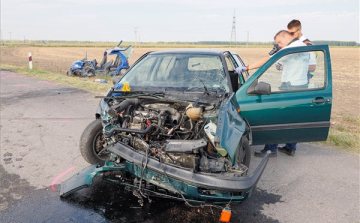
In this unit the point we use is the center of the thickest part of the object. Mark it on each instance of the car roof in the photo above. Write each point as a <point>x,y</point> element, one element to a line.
<point>189,51</point>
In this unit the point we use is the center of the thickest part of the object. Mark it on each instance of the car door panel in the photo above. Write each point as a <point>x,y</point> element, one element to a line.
<point>284,117</point>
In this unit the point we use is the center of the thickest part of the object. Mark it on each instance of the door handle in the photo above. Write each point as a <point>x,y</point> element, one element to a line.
<point>320,100</point>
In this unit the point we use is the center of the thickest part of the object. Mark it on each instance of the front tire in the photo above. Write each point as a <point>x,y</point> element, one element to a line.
<point>244,153</point>
<point>92,143</point>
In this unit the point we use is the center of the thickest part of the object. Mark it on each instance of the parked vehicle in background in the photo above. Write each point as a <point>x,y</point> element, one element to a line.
<point>82,68</point>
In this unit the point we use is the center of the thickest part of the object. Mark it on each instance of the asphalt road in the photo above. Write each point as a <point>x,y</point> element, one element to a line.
<point>41,123</point>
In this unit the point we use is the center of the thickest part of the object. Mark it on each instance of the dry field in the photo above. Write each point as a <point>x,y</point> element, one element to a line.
<point>345,65</point>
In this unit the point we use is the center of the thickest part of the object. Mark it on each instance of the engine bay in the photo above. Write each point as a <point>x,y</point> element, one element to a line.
<point>175,132</point>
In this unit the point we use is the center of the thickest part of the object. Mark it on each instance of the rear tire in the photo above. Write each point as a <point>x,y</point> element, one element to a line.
<point>91,143</point>
<point>69,73</point>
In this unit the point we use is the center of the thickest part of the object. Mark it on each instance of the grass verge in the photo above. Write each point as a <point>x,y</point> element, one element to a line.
<point>344,140</point>
<point>78,82</point>
<point>344,134</point>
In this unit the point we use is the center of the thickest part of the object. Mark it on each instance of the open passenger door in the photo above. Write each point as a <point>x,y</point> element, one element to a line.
<point>278,113</point>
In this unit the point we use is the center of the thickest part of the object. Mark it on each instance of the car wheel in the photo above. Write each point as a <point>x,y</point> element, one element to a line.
<point>122,72</point>
<point>91,73</point>
<point>244,153</point>
<point>69,72</point>
<point>91,143</point>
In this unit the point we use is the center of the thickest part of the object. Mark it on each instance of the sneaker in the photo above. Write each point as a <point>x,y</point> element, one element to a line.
<point>290,152</point>
<point>262,153</point>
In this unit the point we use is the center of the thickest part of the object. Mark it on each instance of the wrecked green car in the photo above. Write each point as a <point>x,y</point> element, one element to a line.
<point>179,124</point>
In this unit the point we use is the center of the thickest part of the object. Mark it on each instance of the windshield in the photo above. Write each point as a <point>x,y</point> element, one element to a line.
<point>186,72</point>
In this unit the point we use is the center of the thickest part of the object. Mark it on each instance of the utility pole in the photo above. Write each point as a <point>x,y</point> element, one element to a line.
<point>233,31</point>
<point>136,36</point>
<point>247,41</point>
<point>139,40</point>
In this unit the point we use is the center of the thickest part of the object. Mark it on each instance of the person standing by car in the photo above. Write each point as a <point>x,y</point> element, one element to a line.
<point>293,77</point>
<point>295,29</point>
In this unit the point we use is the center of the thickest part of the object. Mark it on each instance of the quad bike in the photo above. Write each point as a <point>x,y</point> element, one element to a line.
<point>82,68</point>
<point>88,68</point>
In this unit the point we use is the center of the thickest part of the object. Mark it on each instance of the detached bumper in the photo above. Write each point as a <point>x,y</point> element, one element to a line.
<point>85,178</point>
<point>197,186</point>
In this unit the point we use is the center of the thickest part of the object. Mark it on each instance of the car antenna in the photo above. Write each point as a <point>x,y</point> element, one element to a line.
<point>206,90</point>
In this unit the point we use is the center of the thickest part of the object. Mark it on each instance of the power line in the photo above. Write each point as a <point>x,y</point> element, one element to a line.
<point>136,36</point>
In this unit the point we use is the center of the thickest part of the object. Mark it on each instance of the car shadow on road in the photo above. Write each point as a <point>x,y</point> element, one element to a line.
<point>117,205</point>
<point>108,202</point>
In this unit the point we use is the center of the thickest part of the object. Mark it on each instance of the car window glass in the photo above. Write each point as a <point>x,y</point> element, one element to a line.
<point>145,68</point>
<point>229,64</point>
<point>240,60</point>
<point>202,63</point>
<point>241,63</point>
<point>296,72</point>
<point>234,62</point>
<point>181,71</point>
<point>166,64</point>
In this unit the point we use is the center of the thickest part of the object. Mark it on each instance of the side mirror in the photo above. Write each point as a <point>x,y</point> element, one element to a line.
<point>260,89</point>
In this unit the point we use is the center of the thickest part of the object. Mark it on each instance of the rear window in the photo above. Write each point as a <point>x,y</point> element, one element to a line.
<point>204,63</point>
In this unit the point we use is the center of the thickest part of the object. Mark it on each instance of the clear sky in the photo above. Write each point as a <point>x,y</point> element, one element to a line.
<point>181,20</point>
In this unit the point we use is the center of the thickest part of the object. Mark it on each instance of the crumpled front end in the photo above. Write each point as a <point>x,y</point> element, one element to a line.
<point>168,181</point>
<point>196,150</point>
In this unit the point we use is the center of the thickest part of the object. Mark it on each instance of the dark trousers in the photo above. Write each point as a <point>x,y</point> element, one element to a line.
<point>274,147</point>
<point>286,86</point>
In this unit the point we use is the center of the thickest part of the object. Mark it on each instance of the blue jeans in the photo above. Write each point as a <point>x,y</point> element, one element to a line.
<point>274,147</point>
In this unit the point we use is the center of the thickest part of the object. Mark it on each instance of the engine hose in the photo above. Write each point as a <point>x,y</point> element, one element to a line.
<point>125,104</point>
<point>147,130</point>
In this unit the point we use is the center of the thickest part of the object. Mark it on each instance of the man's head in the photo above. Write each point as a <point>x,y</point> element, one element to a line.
<point>283,38</point>
<point>294,28</point>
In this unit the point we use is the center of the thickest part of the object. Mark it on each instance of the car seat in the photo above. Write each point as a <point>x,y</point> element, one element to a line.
<point>104,59</point>
<point>116,64</point>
